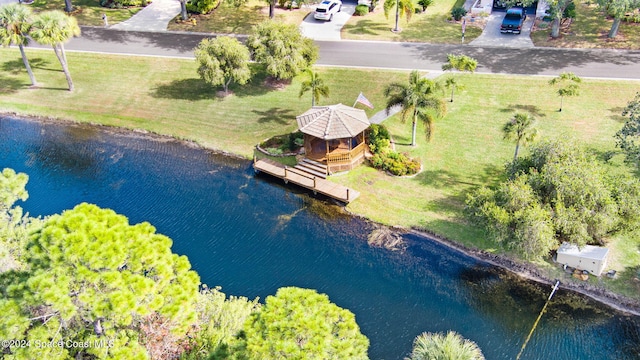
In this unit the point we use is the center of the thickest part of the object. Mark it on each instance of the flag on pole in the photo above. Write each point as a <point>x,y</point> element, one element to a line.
<point>363,100</point>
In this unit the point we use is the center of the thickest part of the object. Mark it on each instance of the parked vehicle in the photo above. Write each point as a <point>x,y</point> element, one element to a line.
<point>513,20</point>
<point>327,9</point>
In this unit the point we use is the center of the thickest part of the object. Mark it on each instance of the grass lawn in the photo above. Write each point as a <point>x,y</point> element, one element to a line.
<point>164,92</point>
<point>166,96</point>
<point>87,12</point>
<point>431,26</point>
<point>227,19</point>
<point>589,30</point>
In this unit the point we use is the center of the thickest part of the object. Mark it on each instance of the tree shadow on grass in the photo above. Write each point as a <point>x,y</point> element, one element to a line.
<point>279,115</point>
<point>10,85</point>
<point>185,89</point>
<point>443,178</point>
<point>617,114</point>
<point>365,27</point>
<point>17,66</point>
<point>256,86</point>
<point>531,109</point>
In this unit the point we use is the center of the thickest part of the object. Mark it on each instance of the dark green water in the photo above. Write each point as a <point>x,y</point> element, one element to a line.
<point>251,236</point>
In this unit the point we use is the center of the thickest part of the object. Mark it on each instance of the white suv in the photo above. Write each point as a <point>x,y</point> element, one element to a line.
<point>326,9</point>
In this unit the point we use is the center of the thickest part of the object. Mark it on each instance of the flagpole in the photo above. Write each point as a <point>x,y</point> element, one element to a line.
<point>355,102</point>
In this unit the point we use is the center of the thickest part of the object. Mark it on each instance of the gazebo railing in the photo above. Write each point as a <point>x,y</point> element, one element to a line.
<point>347,156</point>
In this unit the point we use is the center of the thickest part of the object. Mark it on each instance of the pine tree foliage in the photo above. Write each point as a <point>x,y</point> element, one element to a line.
<point>14,225</point>
<point>92,276</point>
<point>282,49</point>
<point>449,346</point>
<point>220,322</point>
<point>302,324</point>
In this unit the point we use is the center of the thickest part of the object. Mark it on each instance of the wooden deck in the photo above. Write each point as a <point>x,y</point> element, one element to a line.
<point>306,180</point>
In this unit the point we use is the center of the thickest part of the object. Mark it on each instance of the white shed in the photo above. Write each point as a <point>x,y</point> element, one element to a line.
<point>590,258</point>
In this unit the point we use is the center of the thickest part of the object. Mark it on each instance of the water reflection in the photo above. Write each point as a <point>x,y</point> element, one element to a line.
<point>252,235</point>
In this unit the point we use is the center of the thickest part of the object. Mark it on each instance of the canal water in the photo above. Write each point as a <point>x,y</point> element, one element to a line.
<point>251,236</point>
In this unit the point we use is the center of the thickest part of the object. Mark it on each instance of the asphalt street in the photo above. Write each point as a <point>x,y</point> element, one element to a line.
<point>394,55</point>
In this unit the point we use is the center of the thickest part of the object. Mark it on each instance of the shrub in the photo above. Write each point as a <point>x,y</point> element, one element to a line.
<point>379,138</point>
<point>361,10</point>
<point>120,4</point>
<point>294,141</point>
<point>425,4</point>
<point>202,6</point>
<point>399,164</point>
<point>274,151</point>
<point>458,12</point>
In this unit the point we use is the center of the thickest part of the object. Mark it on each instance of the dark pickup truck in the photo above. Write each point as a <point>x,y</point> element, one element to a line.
<point>513,20</point>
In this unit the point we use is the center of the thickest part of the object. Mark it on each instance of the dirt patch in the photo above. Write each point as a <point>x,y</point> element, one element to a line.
<point>276,84</point>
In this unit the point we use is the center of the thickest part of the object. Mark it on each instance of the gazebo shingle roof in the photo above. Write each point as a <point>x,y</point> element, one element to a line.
<point>333,122</point>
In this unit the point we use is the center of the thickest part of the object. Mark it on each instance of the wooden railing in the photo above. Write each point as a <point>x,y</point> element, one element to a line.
<point>347,156</point>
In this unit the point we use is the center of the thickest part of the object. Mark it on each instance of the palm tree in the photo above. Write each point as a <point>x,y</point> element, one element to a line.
<point>452,346</point>
<point>418,100</point>
<point>403,7</point>
<point>452,83</point>
<point>460,63</point>
<point>520,128</point>
<point>55,28</point>
<point>316,85</point>
<point>570,89</point>
<point>15,23</point>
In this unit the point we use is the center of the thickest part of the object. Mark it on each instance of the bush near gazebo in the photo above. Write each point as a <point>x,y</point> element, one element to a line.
<point>387,159</point>
<point>281,144</point>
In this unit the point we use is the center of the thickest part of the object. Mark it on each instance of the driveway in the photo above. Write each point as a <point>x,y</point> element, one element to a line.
<point>154,17</point>
<point>327,30</point>
<point>491,35</point>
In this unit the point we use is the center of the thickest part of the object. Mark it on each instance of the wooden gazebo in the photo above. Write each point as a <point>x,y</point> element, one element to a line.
<point>334,135</point>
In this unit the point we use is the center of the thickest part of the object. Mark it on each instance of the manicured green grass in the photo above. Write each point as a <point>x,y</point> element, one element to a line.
<point>431,26</point>
<point>166,96</point>
<point>589,30</point>
<point>87,12</point>
<point>163,93</point>
<point>468,151</point>
<point>227,19</point>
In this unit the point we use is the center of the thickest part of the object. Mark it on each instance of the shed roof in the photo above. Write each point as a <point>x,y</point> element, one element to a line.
<point>587,251</point>
<point>333,122</point>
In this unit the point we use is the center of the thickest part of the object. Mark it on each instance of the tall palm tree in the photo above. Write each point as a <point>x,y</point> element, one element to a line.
<point>403,8</point>
<point>15,23</point>
<point>452,346</point>
<point>55,28</point>
<point>316,85</point>
<point>568,82</point>
<point>520,128</point>
<point>417,99</point>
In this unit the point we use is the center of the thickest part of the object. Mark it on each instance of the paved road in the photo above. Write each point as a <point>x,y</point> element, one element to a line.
<point>533,61</point>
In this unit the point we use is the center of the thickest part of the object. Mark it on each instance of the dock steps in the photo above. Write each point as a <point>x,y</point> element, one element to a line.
<point>305,179</point>
<point>313,168</point>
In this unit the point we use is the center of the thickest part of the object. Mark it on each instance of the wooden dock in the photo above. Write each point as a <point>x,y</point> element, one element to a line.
<point>306,180</point>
